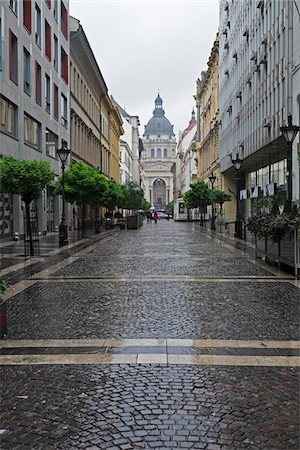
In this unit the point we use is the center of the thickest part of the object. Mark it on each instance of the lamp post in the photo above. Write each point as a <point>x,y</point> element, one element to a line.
<point>63,154</point>
<point>237,163</point>
<point>212,178</point>
<point>289,133</point>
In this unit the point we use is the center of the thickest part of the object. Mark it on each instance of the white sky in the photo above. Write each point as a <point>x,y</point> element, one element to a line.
<point>145,46</point>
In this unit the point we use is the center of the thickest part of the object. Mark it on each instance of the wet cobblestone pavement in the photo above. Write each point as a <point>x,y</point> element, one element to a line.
<point>159,338</point>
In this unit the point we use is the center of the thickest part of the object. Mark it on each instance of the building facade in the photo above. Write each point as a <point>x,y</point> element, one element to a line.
<point>34,100</point>
<point>130,169</point>
<point>258,44</point>
<point>186,169</point>
<point>158,157</point>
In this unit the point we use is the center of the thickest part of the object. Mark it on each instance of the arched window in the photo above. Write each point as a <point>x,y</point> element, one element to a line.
<point>165,152</point>
<point>158,154</point>
<point>152,153</point>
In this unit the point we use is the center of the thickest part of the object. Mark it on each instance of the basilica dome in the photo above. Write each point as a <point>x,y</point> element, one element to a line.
<point>158,124</point>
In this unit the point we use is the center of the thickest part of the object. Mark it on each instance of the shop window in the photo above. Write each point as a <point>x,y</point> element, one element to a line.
<point>8,117</point>
<point>47,40</point>
<point>27,15</point>
<point>13,57</point>
<point>32,130</point>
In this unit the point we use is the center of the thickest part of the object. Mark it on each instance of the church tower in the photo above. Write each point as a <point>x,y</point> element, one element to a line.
<point>158,157</point>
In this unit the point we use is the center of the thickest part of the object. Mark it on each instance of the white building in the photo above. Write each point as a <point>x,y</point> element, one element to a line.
<point>259,53</point>
<point>129,147</point>
<point>34,99</point>
<point>186,169</point>
<point>158,157</point>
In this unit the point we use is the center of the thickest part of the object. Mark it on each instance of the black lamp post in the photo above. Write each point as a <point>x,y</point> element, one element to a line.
<point>212,178</point>
<point>289,133</point>
<point>237,163</point>
<point>63,154</point>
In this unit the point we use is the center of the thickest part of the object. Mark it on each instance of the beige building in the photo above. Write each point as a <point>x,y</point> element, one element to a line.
<point>96,125</point>
<point>208,123</point>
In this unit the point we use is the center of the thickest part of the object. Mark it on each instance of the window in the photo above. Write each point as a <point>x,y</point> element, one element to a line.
<point>37,25</point>
<point>158,153</point>
<point>55,101</point>
<point>38,83</point>
<point>32,130</point>
<point>64,110</point>
<point>51,143</point>
<point>8,117</point>
<point>47,92</point>
<point>48,3</point>
<point>27,71</point>
<point>13,4</point>
<point>13,57</point>
<point>152,153</point>
<point>55,14</point>
<point>47,40</point>
<point>27,15</point>
<point>64,20</point>
<point>55,61</point>
<point>64,64</point>
<point>165,152</point>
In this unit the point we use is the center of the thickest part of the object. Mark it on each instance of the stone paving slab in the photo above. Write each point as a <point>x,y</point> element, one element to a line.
<point>140,406</point>
<point>164,266</point>
<point>186,310</point>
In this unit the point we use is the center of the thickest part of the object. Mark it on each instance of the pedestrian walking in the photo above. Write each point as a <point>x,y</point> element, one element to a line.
<point>155,216</point>
<point>148,215</point>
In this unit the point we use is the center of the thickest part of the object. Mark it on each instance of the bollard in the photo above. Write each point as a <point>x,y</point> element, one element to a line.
<point>3,321</point>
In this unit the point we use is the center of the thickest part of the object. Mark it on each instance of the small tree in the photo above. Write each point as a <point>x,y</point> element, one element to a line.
<point>219,197</point>
<point>197,197</point>
<point>27,179</point>
<point>113,197</point>
<point>133,197</point>
<point>83,185</point>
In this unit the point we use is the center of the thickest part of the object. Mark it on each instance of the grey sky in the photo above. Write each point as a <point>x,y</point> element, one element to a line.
<point>145,46</point>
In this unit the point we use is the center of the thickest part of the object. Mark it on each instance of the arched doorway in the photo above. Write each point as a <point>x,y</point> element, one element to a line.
<point>159,193</point>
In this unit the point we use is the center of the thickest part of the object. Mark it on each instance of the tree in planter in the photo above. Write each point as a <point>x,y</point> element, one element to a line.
<point>219,197</point>
<point>83,185</point>
<point>27,179</point>
<point>133,197</point>
<point>113,197</point>
<point>198,196</point>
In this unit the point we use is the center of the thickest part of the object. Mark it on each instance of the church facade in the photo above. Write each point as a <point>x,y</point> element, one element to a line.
<point>158,157</point>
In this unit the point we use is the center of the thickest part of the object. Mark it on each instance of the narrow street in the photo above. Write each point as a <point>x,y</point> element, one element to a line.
<point>164,337</point>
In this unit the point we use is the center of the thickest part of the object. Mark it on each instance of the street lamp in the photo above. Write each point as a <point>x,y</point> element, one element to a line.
<point>289,133</point>
<point>237,163</point>
<point>212,178</point>
<point>63,154</point>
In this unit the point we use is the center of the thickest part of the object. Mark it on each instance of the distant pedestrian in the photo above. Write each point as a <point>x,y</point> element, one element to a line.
<point>155,216</point>
<point>148,215</point>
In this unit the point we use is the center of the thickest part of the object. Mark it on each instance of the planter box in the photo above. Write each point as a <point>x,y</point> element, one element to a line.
<point>132,222</point>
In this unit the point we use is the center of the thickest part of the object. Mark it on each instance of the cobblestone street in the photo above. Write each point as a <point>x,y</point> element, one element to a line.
<point>164,337</point>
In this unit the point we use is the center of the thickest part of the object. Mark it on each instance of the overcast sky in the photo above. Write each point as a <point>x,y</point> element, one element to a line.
<point>145,46</point>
